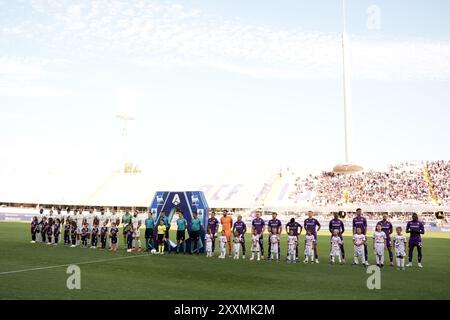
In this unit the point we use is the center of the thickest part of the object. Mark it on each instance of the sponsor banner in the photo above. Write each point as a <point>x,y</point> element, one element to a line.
<point>4,216</point>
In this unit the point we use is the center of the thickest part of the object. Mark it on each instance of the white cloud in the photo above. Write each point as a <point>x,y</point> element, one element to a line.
<point>21,68</point>
<point>397,59</point>
<point>28,91</point>
<point>72,18</point>
<point>150,32</point>
<point>25,77</point>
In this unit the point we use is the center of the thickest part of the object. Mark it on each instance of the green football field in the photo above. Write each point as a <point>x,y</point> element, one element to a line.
<point>120,275</point>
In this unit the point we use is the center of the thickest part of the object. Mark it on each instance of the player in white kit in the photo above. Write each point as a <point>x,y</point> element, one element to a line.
<point>103,217</point>
<point>379,244</point>
<point>335,251</point>
<point>256,246</point>
<point>310,240</point>
<point>114,217</point>
<point>237,244</point>
<point>66,216</point>
<point>209,242</point>
<point>274,243</point>
<point>39,226</point>
<point>292,247</point>
<point>400,245</point>
<point>223,245</point>
<point>136,221</point>
<point>90,218</point>
<point>359,240</point>
<point>79,218</point>
<point>58,214</point>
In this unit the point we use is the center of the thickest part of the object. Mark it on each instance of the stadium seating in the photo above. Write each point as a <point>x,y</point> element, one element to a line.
<point>403,183</point>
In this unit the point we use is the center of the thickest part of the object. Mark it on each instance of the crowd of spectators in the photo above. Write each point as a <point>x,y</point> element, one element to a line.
<point>439,172</point>
<point>400,183</point>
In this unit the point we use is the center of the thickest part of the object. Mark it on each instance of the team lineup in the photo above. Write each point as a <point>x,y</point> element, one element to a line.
<point>102,231</point>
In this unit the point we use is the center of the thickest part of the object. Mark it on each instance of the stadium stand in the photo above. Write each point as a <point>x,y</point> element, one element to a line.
<point>404,183</point>
<point>398,189</point>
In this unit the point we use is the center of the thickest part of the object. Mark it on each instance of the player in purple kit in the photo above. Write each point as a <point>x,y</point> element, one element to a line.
<point>312,224</point>
<point>57,230</point>
<point>73,233</point>
<point>49,229</point>
<point>416,229</point>
<point>43,227</point>
<point>258,224</point>
<point>113,232</point>
<point>34,227</point>
<point>67,226</point>
<point>84,234</point>
<point>337,224</point>
<point>360,222</point>
<point>94,236</point>
<point>129,237</point>
<point>387,228</point>
<point>213,226</point>
<point>103,234</point>
<point>241,228</point>
<point>275,227</point>
<point>294,226</point>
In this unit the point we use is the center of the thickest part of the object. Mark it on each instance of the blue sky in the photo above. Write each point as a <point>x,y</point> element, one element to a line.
<point>220,86</point>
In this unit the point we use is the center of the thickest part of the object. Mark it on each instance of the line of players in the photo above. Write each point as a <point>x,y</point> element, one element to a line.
<point>88,229</point>
<point>381,239</point>
<point>80,229</point>
<point>101,230</point>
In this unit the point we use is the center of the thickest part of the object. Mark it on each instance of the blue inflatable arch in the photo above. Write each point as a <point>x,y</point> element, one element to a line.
<point>186,202</point>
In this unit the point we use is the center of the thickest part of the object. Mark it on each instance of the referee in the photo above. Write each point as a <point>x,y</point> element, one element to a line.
<point>149,232</point>
<point>181,232</point>
<point>196,227</point>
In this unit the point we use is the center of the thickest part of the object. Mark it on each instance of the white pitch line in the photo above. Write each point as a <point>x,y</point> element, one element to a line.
<point>69,264</point>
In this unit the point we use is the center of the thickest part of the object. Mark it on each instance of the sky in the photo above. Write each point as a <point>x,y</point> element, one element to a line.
<point>220,87</point>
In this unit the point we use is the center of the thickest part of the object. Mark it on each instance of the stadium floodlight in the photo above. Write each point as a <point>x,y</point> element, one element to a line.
<point>346,167</point>
<point>126,113</point>
<point>125,118</point>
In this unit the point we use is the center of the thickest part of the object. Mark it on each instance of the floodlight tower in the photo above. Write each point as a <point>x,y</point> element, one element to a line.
<point>126,118</point>
<point>346,167</point>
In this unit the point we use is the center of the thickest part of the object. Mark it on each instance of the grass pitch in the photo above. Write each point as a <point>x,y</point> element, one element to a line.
<point>121,275</point>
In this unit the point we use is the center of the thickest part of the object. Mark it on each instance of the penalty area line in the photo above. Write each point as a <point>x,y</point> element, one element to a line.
<point>69,264</point>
